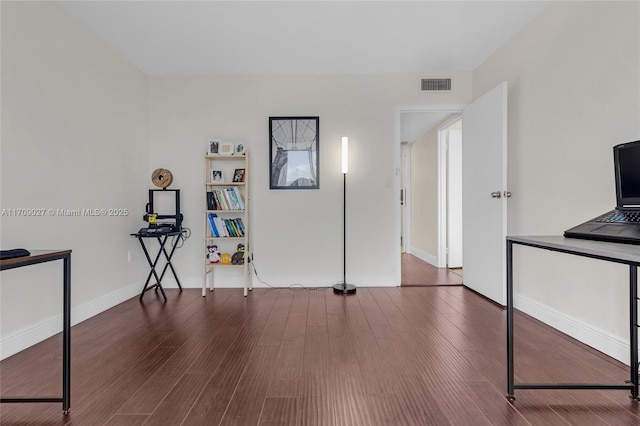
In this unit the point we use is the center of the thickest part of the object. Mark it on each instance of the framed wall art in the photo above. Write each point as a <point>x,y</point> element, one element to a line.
<point>294,152</point>
<point>217,176</point>
<point>213,146</point>
<point>226,148</point>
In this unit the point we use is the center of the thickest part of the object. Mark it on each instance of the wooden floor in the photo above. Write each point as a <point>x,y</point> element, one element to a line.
<point>417,272</point>
<point>384,356</point>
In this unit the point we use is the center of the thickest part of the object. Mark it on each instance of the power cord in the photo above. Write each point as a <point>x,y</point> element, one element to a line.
<point>184,234</point>
<point>295,286</point>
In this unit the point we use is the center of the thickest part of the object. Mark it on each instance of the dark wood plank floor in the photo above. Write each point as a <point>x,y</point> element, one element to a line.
<point>384,356</point>
<point>417,272</point>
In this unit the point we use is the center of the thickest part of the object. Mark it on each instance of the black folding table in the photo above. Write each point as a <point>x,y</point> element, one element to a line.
<point>176,237</point>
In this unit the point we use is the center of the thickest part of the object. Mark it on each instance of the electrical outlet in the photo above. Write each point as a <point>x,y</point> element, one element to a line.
<point>129,256</point>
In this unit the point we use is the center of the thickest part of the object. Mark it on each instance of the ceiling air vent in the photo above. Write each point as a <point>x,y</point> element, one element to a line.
<point>436,84</point>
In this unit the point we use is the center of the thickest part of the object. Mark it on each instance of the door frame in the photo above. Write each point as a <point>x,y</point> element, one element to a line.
<point>407,182</point>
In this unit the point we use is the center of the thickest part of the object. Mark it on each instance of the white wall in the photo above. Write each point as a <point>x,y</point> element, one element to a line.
<point>297,234</point>
<point>574,90</point>
<point>74,135</point>
<point>424,197</point>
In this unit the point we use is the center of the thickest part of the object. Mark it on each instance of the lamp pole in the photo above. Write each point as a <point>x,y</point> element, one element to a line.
<point>345,169</point>
<point>344,288</point>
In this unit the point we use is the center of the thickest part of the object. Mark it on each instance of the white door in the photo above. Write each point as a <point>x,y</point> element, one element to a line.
<point>484,193</point>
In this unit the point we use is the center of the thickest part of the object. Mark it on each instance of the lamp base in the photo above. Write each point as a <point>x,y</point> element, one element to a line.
<point>344,289</point>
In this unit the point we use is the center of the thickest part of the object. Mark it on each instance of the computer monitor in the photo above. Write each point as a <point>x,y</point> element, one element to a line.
<point>627,168</point>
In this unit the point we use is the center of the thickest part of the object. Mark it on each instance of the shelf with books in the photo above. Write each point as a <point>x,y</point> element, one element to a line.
<point>226,217</point>
<point>222,227</point>
<point>226,198</point>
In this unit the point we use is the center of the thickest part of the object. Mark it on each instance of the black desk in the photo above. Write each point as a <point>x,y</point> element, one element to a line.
<point>627,254</point>
<point>40,256</point>
<point>162,240</point>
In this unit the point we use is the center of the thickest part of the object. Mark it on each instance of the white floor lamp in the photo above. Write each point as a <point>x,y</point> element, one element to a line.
<point>344,288</point>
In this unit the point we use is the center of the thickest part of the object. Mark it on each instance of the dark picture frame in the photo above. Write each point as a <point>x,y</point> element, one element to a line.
<point>294,152</point>
<point>238,175</point>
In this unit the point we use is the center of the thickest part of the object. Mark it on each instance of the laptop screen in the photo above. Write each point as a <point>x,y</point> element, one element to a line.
<point>627,167</point>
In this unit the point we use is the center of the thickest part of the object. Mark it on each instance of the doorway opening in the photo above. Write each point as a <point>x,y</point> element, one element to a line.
<point>424,204</point>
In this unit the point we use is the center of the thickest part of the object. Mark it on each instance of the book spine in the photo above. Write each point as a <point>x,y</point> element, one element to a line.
<point>233,192</point>
<point>240,199</point>
<point>216,201</point>
<point>227,197</point>
<point>229,228</point>
<point>232,202</point>
<point>217,198</point>
<point>214,230</point>
<point>222,227</point>
<point>223,200</point>
<point>241,224</point>
<point>235,228</point>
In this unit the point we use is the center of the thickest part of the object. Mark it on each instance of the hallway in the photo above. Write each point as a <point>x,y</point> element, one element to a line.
<point>418,273</point>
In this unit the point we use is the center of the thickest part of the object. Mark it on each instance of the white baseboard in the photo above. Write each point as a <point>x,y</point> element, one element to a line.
<point>29,336</point>
<point>607,344</point>
<point>429,258</point>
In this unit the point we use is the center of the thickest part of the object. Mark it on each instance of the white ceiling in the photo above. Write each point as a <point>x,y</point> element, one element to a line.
<point>187,37</point>
<point>172,38</point>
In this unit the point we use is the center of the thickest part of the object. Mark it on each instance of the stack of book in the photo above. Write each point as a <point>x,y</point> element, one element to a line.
<point>221,227</point>
<point>225,199</point>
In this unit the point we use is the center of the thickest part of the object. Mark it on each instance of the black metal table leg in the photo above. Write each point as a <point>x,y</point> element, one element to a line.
<point>66,337</point>
<point>510,380</point>
<point>158,285</point>
<point>169,264</point>
<point>633,325</point>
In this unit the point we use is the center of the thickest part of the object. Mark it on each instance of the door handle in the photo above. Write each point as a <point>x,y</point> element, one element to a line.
<point>498,194</point>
